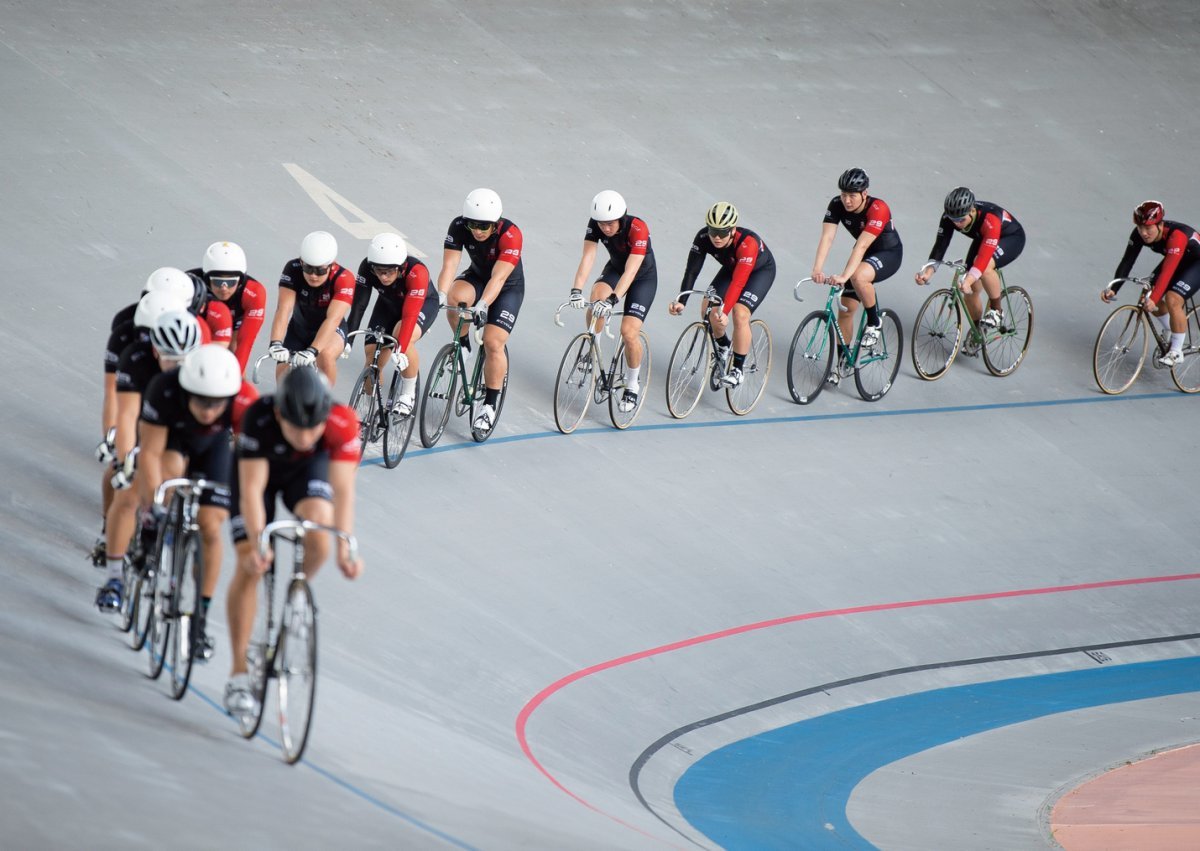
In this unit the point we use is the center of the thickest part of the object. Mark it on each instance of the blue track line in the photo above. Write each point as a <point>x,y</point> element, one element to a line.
<point>789,787</point>
<point>809,418</point>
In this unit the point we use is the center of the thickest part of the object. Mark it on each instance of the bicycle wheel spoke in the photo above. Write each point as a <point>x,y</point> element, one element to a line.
<point>688,370</point>
<point>1120,349</point>
<point>936,335</point>
<point>1005,348</point>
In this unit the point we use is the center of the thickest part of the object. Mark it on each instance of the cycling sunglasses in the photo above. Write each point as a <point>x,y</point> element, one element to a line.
<point>381,270</point>
<point>720,233</point>
<point>223,282</point>
<point>475,225</point>
<point>315,270</point>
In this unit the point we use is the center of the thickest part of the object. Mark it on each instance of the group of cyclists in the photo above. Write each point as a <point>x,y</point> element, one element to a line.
<point>176,402</point>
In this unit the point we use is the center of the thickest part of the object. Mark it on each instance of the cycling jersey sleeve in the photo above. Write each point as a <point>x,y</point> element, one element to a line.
<point>743,265</point>
<point>945,231</point>
<point>1132,250</point>
<point>341,434</point>
<point>695,262</point>
<point>878,216</point>
<point>362,297</point>
<point>639,237</point>
<point>1177,242</point>
<point>344,286</point>
<point>989,235</point>
<point>154,401</point>
<point>508,247</point>
<point>219,321</point>
<point>417,283</point>
<point>254,313</point>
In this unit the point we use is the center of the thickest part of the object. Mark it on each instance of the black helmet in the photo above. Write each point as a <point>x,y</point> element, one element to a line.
<point>303,397</point>
<point>854,180</point>
<point>959,202</point>
<point>199,294</point>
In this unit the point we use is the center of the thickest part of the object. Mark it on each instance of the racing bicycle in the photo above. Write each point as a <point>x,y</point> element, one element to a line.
<point>581,377</point>
<point>1124,341</point>
<point>443,391</point>
<point>377,419</point>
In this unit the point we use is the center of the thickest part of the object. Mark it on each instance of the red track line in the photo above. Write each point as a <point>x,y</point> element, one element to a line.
<point>558,685</point>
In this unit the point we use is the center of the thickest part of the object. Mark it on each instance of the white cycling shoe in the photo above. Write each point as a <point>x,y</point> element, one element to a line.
<point>486,419</point>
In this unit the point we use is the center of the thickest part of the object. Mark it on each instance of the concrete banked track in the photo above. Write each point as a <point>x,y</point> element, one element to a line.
<point>555,638</point>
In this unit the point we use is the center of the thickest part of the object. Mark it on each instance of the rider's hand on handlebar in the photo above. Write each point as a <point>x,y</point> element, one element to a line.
<point>106,449</point>
<point>400,360</point>
<point>1107,295</point>
<point>818,276</point>
<point>278,351</point>
<point>675,308</point>
<point>922,277</point>
<point>346,350</point>
<point>350,569</point>
<point>305,357</point>
<point>441,298</point>
<point>479,314</point>
<point>577,301</point>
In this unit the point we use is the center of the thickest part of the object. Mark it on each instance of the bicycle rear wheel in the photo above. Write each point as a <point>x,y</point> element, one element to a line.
<point>1120,350</point>
<point>364,403</point>
<point>574,383</point>
<point>1186,375</point>
<point>876,369</point>
<point>937,334</point>
<point>478,435</point>
<point>810,357</point>
<point>130,578</point>
<point>143,607</point>
<point>1004,348</point>
<point>616,391</point>
<point>185,613</point>
<point>438,397</point>
<point>756,369</point>
<point>397,431</point>
<point>158,626</point>
<point>260,656</point>
<point>688,370</point>
<point>296,658</point>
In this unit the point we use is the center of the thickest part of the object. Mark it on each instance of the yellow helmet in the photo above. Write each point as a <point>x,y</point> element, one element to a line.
<point>721,215</point>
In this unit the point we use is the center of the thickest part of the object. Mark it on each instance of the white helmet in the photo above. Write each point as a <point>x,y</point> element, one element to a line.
<point>212,371</point>
<point>482,205</point>
<point>155,304</point>
<point>224,257</point>
<point>387,249</point>
<point>319,248</point>
<point>175,333</point>
<point>172,281</point>
<point>608,206</point>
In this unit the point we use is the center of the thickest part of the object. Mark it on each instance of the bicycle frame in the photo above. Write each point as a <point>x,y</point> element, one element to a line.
<point>976,331</point>
<point>468,388</point>
<point>589,326</point>
<point>712,300</point>
<point>850,350</point>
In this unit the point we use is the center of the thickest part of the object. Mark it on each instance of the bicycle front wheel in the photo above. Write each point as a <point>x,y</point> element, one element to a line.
<point>876,368</point>
<point>296,657</point>
<point>1187,374</point>
<point>143,607</point>
<point>1120,350</point>
<point>397,430</point>
<point>688,370</point>
<point>130,578</point>
<point>260,656</point>
<point>616,392</point>
<point>1004,348</point>
<point>479,435</point>
<point>185,613</point>
<point>756,369</point>
<point>159,625</point>
<point>937,334</point>
<point>811,357</point>
<point>573,386</point>
<point>363,401</point>
<point>438,397</point>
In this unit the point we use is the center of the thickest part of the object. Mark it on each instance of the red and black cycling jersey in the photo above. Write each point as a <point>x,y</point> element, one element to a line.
<point>165,403</point>
<point>632,237</point>
<point>504,243</point>
<point>262,437</point>
<point>875,218</point>
<point>743,254</point>
<point>1179,245</point>
<point>215,315</point>
<point>406,296</point>
<point>247,309</point>
<point>991,224</point>
<point>312,303</point>
<point>137,366</point>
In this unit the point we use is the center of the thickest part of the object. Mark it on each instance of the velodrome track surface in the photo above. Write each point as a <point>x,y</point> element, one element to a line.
<point>557,637</point>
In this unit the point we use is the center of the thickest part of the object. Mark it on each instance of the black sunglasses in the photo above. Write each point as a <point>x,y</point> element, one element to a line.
<point>720,233</point>
<point>315,270</point>
<point>477,225</point>
<point>379,270</point>
<point>209,402</point>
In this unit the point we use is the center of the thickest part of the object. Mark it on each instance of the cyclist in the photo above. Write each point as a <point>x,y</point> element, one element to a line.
<point>1176,277</point>
<point>122,332</point>
<point>174,333</point>
<point>876,255</point>
<point>997,239</point>
<point>747,273</point>
<point>630,273</point>
<point>298,445</point>
<point>405,307</point>
<point>223,271</point>
<point>494,284</point>
<point>315,296</point>
<point>187,417</point>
